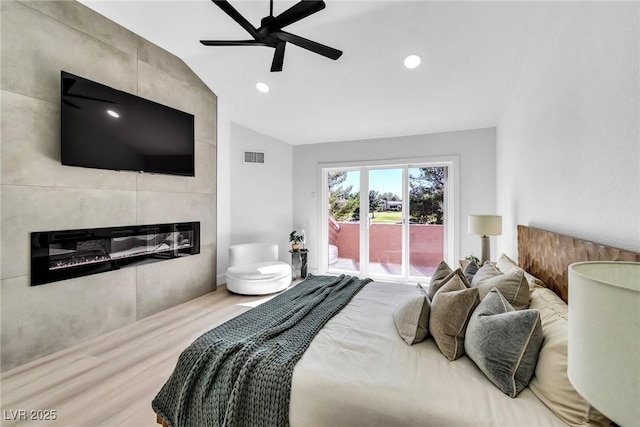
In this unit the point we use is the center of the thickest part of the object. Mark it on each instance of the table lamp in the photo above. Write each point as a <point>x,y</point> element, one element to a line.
<point>485,226</point>
<point>604,337</point>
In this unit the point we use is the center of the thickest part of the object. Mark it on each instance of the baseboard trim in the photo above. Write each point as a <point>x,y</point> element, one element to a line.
<point>221,279</point>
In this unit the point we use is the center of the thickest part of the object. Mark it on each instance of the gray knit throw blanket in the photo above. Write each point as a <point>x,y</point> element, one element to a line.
<point>239,374</point>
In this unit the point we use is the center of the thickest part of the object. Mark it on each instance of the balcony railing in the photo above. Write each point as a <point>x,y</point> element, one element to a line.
<point>385,244</point>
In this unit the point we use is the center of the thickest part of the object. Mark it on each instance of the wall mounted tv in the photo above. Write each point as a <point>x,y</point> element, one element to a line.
<point>105,128</point>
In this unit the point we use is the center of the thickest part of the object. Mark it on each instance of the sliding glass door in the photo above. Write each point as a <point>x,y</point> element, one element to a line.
<point>343,222</point>
<point>385,221</point>
<point>428,218</point>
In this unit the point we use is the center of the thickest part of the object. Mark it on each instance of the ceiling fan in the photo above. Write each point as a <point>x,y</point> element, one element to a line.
<point>270,31</point>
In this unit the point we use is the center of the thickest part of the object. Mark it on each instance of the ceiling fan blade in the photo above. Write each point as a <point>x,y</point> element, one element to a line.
<point>278,57</point>
<point>318,48</point>
<point>235,15</point>
<point>235,43</point>
<point>295,13</point>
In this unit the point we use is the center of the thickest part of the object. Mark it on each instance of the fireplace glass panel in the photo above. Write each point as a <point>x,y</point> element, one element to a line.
<point>59,255</point>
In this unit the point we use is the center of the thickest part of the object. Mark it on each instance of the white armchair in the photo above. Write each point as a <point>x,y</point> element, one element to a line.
<point>254,269</point>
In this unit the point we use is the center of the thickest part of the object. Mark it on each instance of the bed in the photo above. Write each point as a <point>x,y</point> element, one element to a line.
<point>358,371</point>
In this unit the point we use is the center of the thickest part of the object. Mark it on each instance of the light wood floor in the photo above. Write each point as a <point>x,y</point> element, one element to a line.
<point>110,380</point>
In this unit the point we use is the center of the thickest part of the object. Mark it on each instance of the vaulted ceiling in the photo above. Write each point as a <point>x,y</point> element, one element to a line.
<point>469,53</point>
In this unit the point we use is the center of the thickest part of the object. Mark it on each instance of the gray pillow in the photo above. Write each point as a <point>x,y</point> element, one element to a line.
<point>470,270</point>
<point>513,286</point>
<point>451,309</point>
<point>504,342</point>
<point>411,317</point>
<point>442,271</point>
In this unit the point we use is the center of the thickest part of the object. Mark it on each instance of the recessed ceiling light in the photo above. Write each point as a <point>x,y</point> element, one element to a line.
<point>412,61</point>
<point>262,87</point>
<point>113,113</point>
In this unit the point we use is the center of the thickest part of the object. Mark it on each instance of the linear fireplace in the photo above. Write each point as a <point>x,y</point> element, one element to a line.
<point>60,255</point>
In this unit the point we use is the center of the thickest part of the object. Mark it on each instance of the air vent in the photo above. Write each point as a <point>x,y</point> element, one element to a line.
<point>253,156</point>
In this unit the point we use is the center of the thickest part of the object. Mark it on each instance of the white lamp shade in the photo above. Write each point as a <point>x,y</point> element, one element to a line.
<point>604,337</point>
<point>485,225</point>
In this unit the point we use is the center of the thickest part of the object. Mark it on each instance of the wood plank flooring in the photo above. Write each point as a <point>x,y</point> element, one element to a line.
<point>110,380</point>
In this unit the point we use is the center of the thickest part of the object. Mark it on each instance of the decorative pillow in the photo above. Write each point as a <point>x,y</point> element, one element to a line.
<point>507,265</point>
<point>470,270</point>
<point>487,271</point>
<point>436,286</point>
<point>451,308</point>
<point>411,317</point>
<point>513,286</point>
<point>504,342</point>
<point>422,290</point>
<point>550,382</point>
<point>442,271</point>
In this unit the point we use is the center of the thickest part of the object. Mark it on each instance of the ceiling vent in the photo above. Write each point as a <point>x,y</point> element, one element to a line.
<point>253,156</point>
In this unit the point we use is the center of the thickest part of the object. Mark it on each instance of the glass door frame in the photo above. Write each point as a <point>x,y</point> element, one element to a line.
<point>452,203</point>
<point>404,269</point>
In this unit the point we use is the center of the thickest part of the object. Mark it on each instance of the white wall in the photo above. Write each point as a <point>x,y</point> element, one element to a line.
<point>568,150</point>
<point>474,148</point>
<point>255,199</point>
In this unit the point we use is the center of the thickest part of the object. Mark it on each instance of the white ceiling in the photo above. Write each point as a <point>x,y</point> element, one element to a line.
<point>469,51</point>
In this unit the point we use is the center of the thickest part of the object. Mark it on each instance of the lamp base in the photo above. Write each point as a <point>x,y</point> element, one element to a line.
<point>486,249</point>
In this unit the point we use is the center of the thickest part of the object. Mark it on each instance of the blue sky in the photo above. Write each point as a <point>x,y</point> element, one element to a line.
<point>381,180</point>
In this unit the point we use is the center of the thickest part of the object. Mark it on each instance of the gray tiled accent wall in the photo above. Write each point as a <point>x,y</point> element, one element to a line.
<point>37,193</point>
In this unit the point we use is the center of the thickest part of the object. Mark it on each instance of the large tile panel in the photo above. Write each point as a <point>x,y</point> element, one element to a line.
<point>26,209</point>
<point>161,87</point>
<point>204,182</point>
<point>87,21</point>
<point>32,60</point>
<point>162,285</point>
<point>167,62</point>
<point>37,193</point>
<point>158,208</point>
<point>38,320</point>
<point>31,149</point>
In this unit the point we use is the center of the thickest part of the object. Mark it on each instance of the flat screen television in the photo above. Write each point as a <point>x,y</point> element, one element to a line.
<point>105,128</point>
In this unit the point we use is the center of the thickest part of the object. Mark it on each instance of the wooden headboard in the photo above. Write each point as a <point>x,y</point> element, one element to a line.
<point>547,255</point>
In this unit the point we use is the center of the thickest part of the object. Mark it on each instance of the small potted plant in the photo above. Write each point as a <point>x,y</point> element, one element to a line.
<point>295,240</point>
<point>473,258</point>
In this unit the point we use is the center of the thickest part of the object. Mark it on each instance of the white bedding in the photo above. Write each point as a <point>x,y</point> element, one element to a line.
<point>359,372</point>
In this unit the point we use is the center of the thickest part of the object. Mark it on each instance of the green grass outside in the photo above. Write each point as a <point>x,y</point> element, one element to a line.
<point>387,217</point>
